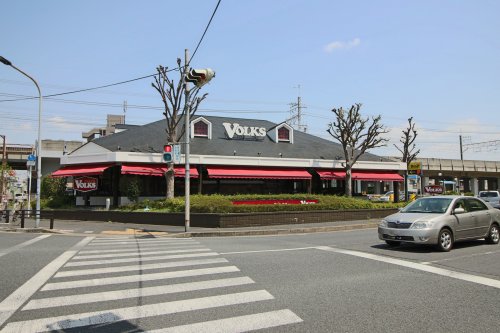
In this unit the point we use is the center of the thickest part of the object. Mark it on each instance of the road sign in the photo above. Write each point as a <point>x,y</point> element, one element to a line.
<point>30,163</point>
<point>177,154</point>
<point>31,157</point>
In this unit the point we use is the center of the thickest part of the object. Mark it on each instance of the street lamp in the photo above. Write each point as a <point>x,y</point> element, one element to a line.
<point>39,145</point>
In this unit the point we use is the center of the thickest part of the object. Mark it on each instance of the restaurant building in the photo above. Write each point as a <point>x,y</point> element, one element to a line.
<point>227,156</point>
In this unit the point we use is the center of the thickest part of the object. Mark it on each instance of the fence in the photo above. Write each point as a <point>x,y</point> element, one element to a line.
<point>13,215</point>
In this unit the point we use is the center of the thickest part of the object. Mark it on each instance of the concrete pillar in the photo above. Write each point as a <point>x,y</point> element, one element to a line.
<point>357,183</point>
<point>475,186</point>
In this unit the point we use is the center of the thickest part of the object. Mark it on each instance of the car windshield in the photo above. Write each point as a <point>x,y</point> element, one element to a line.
<point>428,205</point>
<point>487,194</point>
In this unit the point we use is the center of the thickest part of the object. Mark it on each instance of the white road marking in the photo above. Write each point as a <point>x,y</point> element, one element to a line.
<point>237,324</point>
<point>113,315</point>
<point>88,232</point>
<point>459,257</point>
<point>276,250</point>
<point>119,269</point>
<point>24,244</point>
<point>143,241</point>
<point>418,266</point>
<point>14,301</point>
<point>138,278</point>
<point>135,252</point>
<point>136,292</point>
<point>123,248</point>
<point>152,258</point>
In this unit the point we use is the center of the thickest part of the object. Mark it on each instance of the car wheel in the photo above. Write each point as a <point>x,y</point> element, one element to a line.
<point>493,235</point>
<point>445,240</point>
<point>392,243</point>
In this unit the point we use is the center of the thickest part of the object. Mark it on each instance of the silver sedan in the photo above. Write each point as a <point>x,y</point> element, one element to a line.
<point>442,220</point>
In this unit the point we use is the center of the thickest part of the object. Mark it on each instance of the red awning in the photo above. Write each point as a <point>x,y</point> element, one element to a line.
<point>362,175</point>
<point>155,170</point>
<point>256,173</point>
<point>81,170</point>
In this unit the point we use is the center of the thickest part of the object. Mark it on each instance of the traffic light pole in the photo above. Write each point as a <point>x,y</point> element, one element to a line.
<point>187,135</point>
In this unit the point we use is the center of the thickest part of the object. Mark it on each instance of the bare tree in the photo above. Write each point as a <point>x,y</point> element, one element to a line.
<point>176,103</point>
<point>408,151</point>
<point>356,135</point>
<point>408,140</point>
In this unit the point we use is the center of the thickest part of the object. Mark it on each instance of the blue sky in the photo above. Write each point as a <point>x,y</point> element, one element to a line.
<point>435,61</point>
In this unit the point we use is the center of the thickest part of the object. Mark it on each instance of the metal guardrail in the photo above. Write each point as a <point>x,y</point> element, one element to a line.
<point>12,216</point>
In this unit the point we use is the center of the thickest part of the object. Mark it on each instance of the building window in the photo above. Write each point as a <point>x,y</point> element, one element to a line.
<point>201,129</point>
<point>283,134</point>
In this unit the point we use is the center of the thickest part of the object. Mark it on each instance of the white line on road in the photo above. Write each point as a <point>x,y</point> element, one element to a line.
<point>143,241</point>
<point>132,253</point>
<point>20,246</point>
<point>107,316</point>
<point>133,293</point>
<point>120,269</point>
<point>460,257</point>
<point>14,301</point>
<point>138,278</point>
<point>123,248</point>
<point>152,258</point>
<point>237,324</point>
<point>421,267</point>
<point>276,250</point>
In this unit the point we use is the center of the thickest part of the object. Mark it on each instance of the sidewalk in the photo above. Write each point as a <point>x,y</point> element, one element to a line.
<point>107,229</point>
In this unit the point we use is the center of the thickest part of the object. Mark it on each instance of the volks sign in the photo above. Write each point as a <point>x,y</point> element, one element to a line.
<point>241,131</point>
<point>85,184</point>
<point>433,189</point>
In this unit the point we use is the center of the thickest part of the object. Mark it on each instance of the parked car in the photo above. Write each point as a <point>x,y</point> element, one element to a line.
<point>441,220</point>
<point>387,197</point>
<point>492,197</point>
<point>21,197</point>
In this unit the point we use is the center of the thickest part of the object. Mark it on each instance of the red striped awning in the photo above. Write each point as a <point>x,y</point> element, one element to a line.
<point>361,175</point>
<point>155,170</point>
<point>81,170</point>
<point>256,173</point>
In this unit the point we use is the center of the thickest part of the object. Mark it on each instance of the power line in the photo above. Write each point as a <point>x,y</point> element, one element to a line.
<point>126,81</point>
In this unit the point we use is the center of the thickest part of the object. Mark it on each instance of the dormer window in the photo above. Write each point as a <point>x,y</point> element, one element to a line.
<point>201,128</point>
<point>283,134</point>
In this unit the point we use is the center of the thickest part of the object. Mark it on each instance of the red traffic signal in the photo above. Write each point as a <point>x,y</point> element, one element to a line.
<point>167,153</point>
<point>199,77</point>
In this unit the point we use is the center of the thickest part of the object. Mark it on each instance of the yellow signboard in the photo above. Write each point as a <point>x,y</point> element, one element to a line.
<point>415,166</point>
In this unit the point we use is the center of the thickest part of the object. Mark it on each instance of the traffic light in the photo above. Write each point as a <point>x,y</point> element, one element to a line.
<point>199,76</point>
<point>168,154</point>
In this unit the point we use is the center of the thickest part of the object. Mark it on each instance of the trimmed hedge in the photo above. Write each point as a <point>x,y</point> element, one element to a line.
<point>224,204</point>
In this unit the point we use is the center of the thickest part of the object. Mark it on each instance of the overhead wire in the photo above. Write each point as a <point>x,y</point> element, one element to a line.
<point>126,81</point>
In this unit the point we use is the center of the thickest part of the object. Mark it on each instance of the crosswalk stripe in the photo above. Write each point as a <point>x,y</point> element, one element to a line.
<point>142,267</point>
<point>136,241</point>
<point>113,315</point>
<point>237,324</point>
<point>122,248</point>
<point>152,258</point>
<point>14,301</point>
<point>136,253</point>
<point>24,244</point>
<point>138,278</point>
<point>135,292</point>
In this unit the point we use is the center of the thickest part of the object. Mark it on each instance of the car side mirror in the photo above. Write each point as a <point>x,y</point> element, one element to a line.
<point>459,210</point>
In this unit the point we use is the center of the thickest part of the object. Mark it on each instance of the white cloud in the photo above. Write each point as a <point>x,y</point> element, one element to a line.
<point>339,45</point>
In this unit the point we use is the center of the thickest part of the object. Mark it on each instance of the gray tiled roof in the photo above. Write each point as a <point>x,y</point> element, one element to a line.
<point>151,138</point>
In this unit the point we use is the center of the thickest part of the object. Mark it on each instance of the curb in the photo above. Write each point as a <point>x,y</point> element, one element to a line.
<point>218,233</point>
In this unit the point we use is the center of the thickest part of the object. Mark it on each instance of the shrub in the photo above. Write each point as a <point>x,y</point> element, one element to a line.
<point>224,204</point>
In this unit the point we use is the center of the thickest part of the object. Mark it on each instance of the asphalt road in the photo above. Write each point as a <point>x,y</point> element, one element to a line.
<point>321,282</point>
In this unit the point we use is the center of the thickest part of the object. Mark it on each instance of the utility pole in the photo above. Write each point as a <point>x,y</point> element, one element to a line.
<point>4,166</point>
<point>296,117</point>
<point>187,134</point>
<point>461,150</point>
<point>124,110</point>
